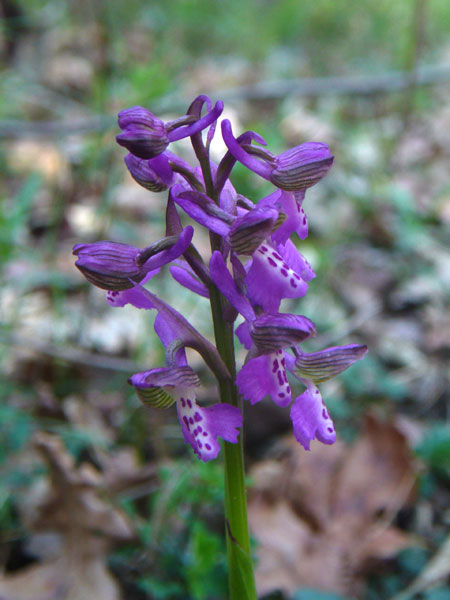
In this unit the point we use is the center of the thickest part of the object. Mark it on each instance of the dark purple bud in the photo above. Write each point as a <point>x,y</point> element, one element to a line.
<point>143,134</point>
<point>154,387</point>
<point>274,332</point>
<point>325,364</point>
<point>154,174</point>
<point>296,169</point>
<point>146,136</point>
<point>109,265</point>
<point>116,267</point>
<point>249,231</point>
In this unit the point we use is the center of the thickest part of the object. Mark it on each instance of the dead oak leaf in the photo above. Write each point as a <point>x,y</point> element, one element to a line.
<point>76,507</point>
<point>327,517</point>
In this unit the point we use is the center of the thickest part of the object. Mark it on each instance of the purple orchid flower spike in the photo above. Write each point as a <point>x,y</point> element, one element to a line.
<point>177,383</point>
<point>265,373</point>
<point>296,169</point>
<point>254,265</point>
<point>147,136</point>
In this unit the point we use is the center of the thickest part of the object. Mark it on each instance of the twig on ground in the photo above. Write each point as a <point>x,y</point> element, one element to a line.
<point>265,90</point>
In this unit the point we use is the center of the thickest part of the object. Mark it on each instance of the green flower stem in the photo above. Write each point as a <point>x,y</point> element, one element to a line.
<point>240,568</point>
<point>241,578</point>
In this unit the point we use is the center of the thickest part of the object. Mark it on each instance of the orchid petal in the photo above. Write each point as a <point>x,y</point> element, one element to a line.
<point>133,296</point>
<point>188,280</point>
<point>202,426</point>
<point>326,364</point>
<point>203,210</point>
<point>265,375</point>
<point>226,284</point>
<point>243,334</point>
<point>311,420</point>
<point>280,280</point>
<point>167,256</point>
<point>296,217</point>
<point>296,260</point>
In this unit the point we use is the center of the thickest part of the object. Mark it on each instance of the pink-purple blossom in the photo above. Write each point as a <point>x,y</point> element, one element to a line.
<point>254,265</point>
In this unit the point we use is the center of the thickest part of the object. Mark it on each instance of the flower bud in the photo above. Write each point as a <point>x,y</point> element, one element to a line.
<point>296,169</point>
<point>146,136</point>
<point>249,231</point>
<point>158,387</point>
<point>142,172</point>
<point>274,332</point>
<point>302,167</point>
<point>325,364</point>
<point>143,134</point>
<point>109,265</point>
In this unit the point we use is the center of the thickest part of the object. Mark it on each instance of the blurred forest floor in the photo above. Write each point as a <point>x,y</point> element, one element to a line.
<point>100,497</point>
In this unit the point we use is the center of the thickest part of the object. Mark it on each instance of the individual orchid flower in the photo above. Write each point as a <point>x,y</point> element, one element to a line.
<point>309,415</point>
<point>283,270</point>
<point>147,136</point>
<point>177,383</point>
<point>115,266</point>
<point>266,375</point>
<point>296,169</point>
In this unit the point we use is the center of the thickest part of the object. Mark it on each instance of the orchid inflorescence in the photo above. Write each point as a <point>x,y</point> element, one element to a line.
<point>253,266</point>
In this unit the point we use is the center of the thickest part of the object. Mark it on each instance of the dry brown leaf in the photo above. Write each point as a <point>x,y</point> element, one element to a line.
<point>323,518</point>
<point>74,505</point>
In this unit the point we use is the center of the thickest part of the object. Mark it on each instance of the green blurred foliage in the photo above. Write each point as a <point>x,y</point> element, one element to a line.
<point>434,448</point>
<point>183,540</point>
<point>312,38</point>
<point>308,594</point>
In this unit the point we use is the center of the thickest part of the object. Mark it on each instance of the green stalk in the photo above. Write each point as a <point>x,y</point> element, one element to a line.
<point>240,567</point>
<point>241,578</point>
